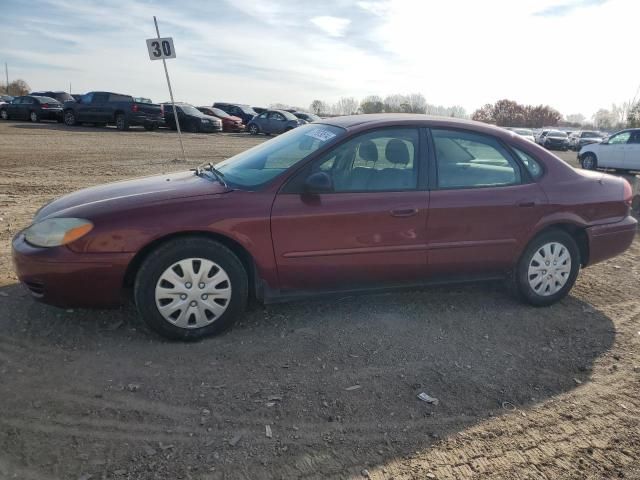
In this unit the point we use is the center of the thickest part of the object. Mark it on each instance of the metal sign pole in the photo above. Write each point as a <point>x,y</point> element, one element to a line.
<point>173,103</point>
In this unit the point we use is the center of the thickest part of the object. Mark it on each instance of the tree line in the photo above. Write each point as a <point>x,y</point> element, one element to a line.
<point>16,88</point>
<point>396,103</point>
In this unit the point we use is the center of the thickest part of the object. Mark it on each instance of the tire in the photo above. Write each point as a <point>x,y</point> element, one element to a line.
<point>70,118</point>
<point>150,127</point>
<point>122,123</point>
<point>4,114</point>
<point>33,116</point>
<point>530,272</point>
<point>151,290</point>
<point>253,129</point>
<point>589,161</point>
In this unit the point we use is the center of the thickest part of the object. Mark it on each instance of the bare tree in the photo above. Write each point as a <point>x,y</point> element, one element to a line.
<point>345,106</point>
<point>16,88</point>
<point>372,104</point>
<point>318,107</point>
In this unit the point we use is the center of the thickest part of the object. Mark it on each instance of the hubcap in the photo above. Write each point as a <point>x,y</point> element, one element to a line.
<point>549,269</point>
<point>4,115</point>
<point>193,293</point>
<point>34,117</point>
<point>587,163</point>
<point>69,118</point>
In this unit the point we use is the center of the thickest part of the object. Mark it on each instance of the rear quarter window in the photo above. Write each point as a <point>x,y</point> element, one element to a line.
<point>531,164</point>
<point>114,97</point>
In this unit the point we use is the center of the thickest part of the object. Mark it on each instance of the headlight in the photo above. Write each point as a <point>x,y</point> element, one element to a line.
<point>54,232</point>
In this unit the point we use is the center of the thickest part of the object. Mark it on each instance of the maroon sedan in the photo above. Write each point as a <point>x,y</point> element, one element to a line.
<point>229,122</point>
<point>351,204</point>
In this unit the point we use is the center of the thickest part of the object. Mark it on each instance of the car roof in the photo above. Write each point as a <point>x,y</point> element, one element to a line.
<point>351,122</point>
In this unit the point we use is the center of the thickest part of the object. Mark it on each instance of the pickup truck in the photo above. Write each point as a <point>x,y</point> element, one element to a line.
<point>102,108</point>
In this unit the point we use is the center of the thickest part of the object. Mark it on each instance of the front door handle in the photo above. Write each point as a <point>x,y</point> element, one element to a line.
<point>404,212</point>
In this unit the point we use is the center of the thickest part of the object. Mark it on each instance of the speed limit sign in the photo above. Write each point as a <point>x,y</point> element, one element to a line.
<point>160,48</point>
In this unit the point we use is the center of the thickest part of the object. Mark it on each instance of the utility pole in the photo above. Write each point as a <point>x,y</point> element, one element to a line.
<point>6,72</point>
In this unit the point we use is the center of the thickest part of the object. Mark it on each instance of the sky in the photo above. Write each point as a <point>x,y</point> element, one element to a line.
<point>575,55</point>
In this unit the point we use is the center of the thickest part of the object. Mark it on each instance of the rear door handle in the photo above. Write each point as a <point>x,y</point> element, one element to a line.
<point>527,204</point>
<point>404,212</point>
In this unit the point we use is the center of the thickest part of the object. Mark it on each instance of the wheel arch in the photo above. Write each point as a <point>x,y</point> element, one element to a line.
<point>237,248</point>
<point>577,232</point>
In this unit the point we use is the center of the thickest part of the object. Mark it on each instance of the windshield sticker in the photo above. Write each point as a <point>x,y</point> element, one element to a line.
<point>320,134</point>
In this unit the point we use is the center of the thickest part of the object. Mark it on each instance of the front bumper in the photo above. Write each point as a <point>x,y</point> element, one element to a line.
<point>210,127</point>
<point>61,277</point>
<point>607,241</point>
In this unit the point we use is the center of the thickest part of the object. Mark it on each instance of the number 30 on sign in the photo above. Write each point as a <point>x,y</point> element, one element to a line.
<point>160,48</point>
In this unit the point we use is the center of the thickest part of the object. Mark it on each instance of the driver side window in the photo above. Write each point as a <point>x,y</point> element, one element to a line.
<point>383,160</point>
<point>620,138</point>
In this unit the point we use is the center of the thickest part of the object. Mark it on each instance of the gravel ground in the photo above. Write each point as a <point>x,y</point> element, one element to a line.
<point>320,389</point>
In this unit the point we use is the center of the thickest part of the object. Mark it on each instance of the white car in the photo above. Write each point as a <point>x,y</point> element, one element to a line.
<point>621,151</point>
<point>524,133</point>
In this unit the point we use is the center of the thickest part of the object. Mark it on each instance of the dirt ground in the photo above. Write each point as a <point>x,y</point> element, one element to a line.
<point>551,393</point>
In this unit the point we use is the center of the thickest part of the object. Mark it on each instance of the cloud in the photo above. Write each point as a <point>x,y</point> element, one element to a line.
<point>564,9</point>
<point>332,26</point>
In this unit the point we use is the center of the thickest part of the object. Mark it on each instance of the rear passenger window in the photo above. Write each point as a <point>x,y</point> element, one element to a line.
<point>470,160</point>
<point>384,160</point>
<point>532,165</point>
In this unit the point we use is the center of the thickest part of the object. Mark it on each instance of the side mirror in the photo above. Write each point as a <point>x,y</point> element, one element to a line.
<point>319,182</point>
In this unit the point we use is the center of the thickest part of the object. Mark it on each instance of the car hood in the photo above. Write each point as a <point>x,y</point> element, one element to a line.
<point>232,118</point>
<point>130,193</point>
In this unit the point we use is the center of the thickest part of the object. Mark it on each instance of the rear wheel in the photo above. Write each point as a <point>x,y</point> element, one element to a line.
<point>253,129</point>
<point>4,114</point>
<point>33,116</point>
<point>548,268</point>
<point>70,118</point>
<point>191,288</point>
<point>589,161</point>
<point>121,122</point>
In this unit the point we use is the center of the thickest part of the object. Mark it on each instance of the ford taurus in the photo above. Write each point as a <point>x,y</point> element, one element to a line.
<point>351,204</point>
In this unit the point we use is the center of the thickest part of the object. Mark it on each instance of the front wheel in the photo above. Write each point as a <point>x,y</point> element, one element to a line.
<point>253,129</point>
<point>589,161</point>
<point>4,115</point>
<point>548,268</point>
<point>191,288</point>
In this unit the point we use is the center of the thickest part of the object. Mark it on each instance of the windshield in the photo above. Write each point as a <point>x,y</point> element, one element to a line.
<point>264,162</point>
<point>556,133</point>
<point>219,113</point>
<point>190,110</point>
<point>249,111</point>
<point>591,135</point>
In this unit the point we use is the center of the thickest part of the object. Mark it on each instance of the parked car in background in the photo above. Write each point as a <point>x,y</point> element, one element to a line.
<point>577,140</point>
<point>229,122</point>
<point>259,110</point>
<point>76,96</point>
<point>245,112</point>
<point>191,119</point>
<point>274,121</point>
<point>555,140</point>
<point>5,98</point>
<point>58,95</point>
<point>338,206</point>
<point>620,151</point>
<point>539,136</point>
<point>33,108</point>
<point>307,117</point>
<point>523,132</point>
<point>142,100</point>
<point>102,108</point>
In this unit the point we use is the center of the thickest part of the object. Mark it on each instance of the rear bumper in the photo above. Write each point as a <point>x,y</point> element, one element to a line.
<point>607,241</point>
<point>60,277</point>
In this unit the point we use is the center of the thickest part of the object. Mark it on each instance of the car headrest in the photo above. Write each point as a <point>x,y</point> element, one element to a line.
<point>397,152</point>
<point>368,151</point>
